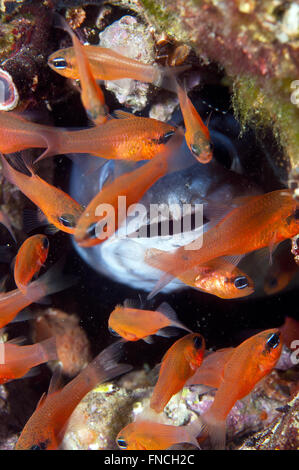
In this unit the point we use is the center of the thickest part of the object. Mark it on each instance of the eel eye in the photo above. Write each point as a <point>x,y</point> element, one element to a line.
<point>197,342</point>
<point>67,220</point>
<point>241,282</point>
<point>59,63</point>
<point>121,443</point>
<point>272,342</point>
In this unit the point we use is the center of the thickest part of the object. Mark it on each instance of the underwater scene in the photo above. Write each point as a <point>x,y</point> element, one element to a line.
<point>149,225</point>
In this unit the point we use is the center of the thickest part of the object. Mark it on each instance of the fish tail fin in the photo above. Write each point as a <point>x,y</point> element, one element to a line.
<point>51,282</point>
<point>52,139</point>
<point>105,365</point>
<point>167,79</point>
<point>216,430</point>
<point>168,311</point>
<point>194,430</point>
<point>49,349</point>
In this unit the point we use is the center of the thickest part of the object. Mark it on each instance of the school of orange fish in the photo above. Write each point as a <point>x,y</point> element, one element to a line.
<point>251,223</point>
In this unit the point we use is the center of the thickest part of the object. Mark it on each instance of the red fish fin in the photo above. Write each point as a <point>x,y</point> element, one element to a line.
<point>105,364</point>
<point>163,281</point>
<point>149,339</point>
<point>168,311</point>
<point>234,260</point>
<point>132,303</point>
<point>54,280</point>
<point>167,78</point>
<point>33,219</point>
<point>56,382</point>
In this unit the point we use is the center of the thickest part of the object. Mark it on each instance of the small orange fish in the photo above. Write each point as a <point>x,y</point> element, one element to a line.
<point>197,134</point>
<point>148,435</point>
<point>107,64</point>
<point>59,208</point>
<point>102,216</point>
<point>256,222</point>
<point>127,138</point>
<point>134,324</point>
<point>178,365</point>
<point>92,96</point>
<point>18,360</point>
<point>218,277</point>
<point>45,428</point>
<point>245,366</point>
<point>12,302</point>
<point>31,256</point>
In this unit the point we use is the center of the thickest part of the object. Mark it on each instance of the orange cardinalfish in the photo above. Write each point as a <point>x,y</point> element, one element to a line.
<point>245,366</point>
<point>107,64</point>
<point>31,256</point>
<point>18,360</point>
<point>218,277</point>
<point>134,324</point>
<point>46,427</point>
<point>178,365</point>
<point>148,435</point>
<point>59,208</point>
<point>92,96</point>
<point>12,302</point>
<point>197,134</point>
<point>130,138</point>
<point>255,222</point>
<point>102,216</point>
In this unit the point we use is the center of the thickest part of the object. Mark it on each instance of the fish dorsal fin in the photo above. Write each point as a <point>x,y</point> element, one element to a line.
<point>41,401</point>
<point>232,259</point>
<point>56,382</point>
<point>120,114</point>
<point>132,303</point>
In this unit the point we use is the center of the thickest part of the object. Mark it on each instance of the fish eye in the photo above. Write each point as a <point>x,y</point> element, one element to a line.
<point>241,282</point>
<point>68,220</point>
<point>195,149</point>
<point>272,342</point>
<point>122,443</point>
<point>197,342</point>
<point>59,63</point>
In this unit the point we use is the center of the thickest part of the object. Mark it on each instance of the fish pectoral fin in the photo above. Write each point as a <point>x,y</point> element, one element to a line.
<point>163,281</point>
<point>33,219</point>
<point>148,339</point>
